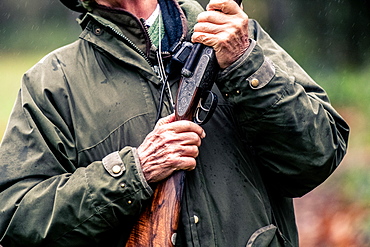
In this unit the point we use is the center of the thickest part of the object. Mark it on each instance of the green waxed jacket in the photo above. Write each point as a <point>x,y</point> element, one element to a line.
<point>84,108</point>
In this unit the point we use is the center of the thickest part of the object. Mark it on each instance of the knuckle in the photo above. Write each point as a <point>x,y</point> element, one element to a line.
<point>193,136</point>
<point>196,140</point>
<point>194,152</point>
<point>200,16</point>
<point>171,159</point>
<point>189,164</point>
<point>193,164</point>
<point>197,28</point>
<point>159,130</point>
<point>188,124</point>
<point>223,40</point>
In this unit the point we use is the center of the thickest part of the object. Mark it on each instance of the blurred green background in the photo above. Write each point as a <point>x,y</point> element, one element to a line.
<point>330,39</point>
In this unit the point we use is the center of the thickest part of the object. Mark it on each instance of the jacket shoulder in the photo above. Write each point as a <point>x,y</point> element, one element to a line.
<point>69,51</point>
<point>52,72</point>
<point>191,9</point>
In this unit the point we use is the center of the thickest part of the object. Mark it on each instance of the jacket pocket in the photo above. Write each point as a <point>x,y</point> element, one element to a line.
<point>263,237</point>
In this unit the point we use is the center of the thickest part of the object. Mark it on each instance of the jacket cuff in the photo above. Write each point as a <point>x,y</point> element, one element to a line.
<point>240,61</point>
<point>140,172</point>
<point>251,71</point>
<point>126,160</point>
<point>116,188</point>
<point>129,156</point>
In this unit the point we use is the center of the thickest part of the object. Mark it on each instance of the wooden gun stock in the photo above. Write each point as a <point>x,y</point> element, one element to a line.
<point>158,223</point>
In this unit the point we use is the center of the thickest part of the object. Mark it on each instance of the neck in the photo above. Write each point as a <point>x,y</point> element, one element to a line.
<point>139,8</point>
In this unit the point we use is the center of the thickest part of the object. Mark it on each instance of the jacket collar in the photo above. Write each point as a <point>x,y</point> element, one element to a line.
<point>129,25</point>
<point>176,25</point>
<point>124,36</point>
<point>107,37</point>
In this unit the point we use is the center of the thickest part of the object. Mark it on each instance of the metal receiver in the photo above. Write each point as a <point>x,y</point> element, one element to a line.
<point>195,100</point>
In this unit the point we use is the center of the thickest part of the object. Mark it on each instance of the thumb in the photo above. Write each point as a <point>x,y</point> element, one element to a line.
<point>165,120</point>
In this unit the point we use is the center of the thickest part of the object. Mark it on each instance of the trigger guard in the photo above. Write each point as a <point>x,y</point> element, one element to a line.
<point>209,111</point>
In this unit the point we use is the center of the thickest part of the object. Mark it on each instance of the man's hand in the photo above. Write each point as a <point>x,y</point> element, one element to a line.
<point>224,26</point>
<point>172,145</point>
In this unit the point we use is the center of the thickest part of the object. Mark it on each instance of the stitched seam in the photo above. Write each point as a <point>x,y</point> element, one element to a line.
<point>261,116</point>
<point>104,139</point>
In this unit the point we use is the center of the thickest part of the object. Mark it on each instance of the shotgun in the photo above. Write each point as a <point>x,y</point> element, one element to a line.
<point>157,224</point>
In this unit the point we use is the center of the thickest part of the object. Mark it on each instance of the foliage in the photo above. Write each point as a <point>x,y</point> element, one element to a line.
<point>324,33</point>
<point>356,184</point>
<point>35,25</point>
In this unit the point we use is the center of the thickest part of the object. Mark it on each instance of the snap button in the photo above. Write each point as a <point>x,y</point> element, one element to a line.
<point>123,185</point>
<point>255,82</point>
<point>116,169</point>
<point>98,31</point>
<point>113,164</point>
<point>237,91</point>
<point>129,202</point>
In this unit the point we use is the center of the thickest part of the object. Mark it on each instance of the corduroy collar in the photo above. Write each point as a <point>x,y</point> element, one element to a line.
<point>135,29</point>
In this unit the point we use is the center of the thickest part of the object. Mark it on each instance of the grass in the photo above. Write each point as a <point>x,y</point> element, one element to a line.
<point>12,67</point>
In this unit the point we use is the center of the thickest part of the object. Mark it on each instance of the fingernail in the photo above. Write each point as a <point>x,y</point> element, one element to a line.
<point>203,135</point>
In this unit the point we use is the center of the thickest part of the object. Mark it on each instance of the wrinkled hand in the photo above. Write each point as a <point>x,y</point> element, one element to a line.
<point>172,145</point>
<point>224,26</point>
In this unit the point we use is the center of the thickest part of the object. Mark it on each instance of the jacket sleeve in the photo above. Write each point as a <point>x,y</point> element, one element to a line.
<point>46,197</point>
<point>298,137</point>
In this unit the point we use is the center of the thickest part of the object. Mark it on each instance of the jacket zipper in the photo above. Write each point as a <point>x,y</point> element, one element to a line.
<point>137,49</point>
<point>145,27</point>
<point>160,70</point>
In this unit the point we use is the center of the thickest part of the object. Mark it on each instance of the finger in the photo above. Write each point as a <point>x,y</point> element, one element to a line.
<point>172,140</point>
<point>184,126</point>
<point>207,39</point>
<point>186,163</point>
<point>224,6</point>
<point>212,17</point>
<point>190,151</point>
<point>165,120</point>
<point>190,138</point>
<point>204,27</point>
<point>165,139</point>
<point>179,144</point>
